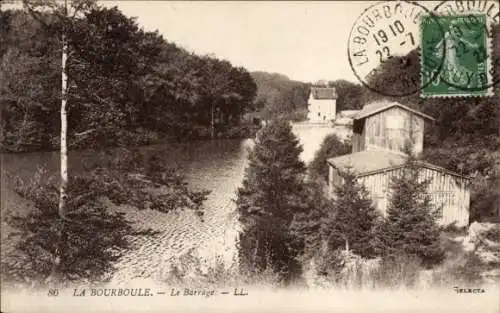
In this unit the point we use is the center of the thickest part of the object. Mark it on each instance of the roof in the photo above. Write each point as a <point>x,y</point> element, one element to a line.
<point>379,106</point>
<point>348,113</point>
<point>343,120</point>
<point>369,162</point>
<point>323,93</point>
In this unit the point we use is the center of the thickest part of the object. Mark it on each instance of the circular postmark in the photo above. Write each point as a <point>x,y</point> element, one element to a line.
<point>385,40</point>
<point>471,30</point>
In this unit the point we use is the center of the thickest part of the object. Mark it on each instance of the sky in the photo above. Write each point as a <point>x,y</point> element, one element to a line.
<point>305,41</point>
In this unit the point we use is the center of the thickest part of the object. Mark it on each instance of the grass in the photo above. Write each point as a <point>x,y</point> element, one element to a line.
<point>189,269</point>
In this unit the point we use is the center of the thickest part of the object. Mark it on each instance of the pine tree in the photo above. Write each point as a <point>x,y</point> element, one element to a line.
<point>353,219</point>
<point>307,225</point>
<point>410,227</point>
<point>272,193</point>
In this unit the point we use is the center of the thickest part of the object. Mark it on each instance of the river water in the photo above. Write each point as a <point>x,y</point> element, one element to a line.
<point>216,165</point>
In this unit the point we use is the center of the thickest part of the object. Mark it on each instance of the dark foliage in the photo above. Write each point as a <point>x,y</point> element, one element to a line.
<point>280,97</point>
<point>410,226</point>
<point>145,182</point>
<point>349,95</point>
<point>352,220</point>
<point>85,246</point>
<point>272,192</point>
<point>126,86</point>
<point>331,147</point>
<point>308,226</point>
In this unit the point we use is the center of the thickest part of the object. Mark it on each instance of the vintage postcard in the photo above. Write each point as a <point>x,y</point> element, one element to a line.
<point>240,156</point>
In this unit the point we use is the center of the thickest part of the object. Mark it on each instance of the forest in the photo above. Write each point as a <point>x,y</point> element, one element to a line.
<point>280,97</point>
<point>126,86</point>
<point>152,91</point>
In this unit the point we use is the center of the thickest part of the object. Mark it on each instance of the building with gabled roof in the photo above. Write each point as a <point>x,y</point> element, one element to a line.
<point>381,131</point>
<point>322,104</point>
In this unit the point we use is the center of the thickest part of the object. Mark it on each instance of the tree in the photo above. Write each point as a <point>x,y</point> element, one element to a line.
<point>398,78</point>
<point>21,105</point>
<point>63,21</point>
<point>126,86</point>
<point>353,219</point>
<point>284,98</point>
<point>29,58</point>
<point>84,246</point>
<point>110,72</point>
<point>349,95</point>
<point>308,225</point>
<point>331,147</point>
<point>272,193</point>
<point>59,236</point>
<point>410,227</point>
<point>215,87</point>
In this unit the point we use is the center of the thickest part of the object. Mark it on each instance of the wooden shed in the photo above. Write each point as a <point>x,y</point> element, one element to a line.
<point>449,191</point>
<point>380,132</point>
<point>388,125</point>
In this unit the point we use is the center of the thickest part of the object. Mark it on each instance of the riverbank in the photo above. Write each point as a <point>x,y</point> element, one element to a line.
<point>215,165</point>
<point>138,138</point>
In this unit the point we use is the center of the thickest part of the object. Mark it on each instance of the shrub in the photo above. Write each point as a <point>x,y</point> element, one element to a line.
<point>53,250</point>
<point>84,245</point>
<point>189,269</point>
<point>453,229</point>
<point>493,234</point>
<point>331,147</point>
<point>462,270</point>
<point>400,270</point>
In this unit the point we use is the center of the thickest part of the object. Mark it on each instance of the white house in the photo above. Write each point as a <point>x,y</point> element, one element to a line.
<point>322,104</point>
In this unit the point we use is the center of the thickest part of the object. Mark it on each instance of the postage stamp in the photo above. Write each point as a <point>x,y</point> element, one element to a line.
<point>466,69</point>
<point>385,38</point>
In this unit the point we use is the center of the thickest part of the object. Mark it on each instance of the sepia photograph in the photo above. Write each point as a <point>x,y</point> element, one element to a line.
<point>250,156</point>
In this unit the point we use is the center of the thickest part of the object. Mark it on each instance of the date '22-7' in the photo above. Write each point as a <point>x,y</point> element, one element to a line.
<point>397,28</point>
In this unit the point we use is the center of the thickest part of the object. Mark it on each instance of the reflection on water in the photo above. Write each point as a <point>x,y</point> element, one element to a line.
<point>216,165</point>
<point>204,163</point>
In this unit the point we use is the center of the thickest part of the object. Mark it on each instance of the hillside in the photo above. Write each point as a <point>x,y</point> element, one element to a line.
<point>151,90</point>
<point>277,95</point>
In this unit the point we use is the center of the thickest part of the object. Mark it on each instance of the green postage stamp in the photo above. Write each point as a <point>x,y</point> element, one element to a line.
<point>458,47</point>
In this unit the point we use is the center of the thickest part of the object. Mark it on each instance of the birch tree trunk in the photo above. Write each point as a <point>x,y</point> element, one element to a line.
<point>64,126</point>
<point>54,277</point>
